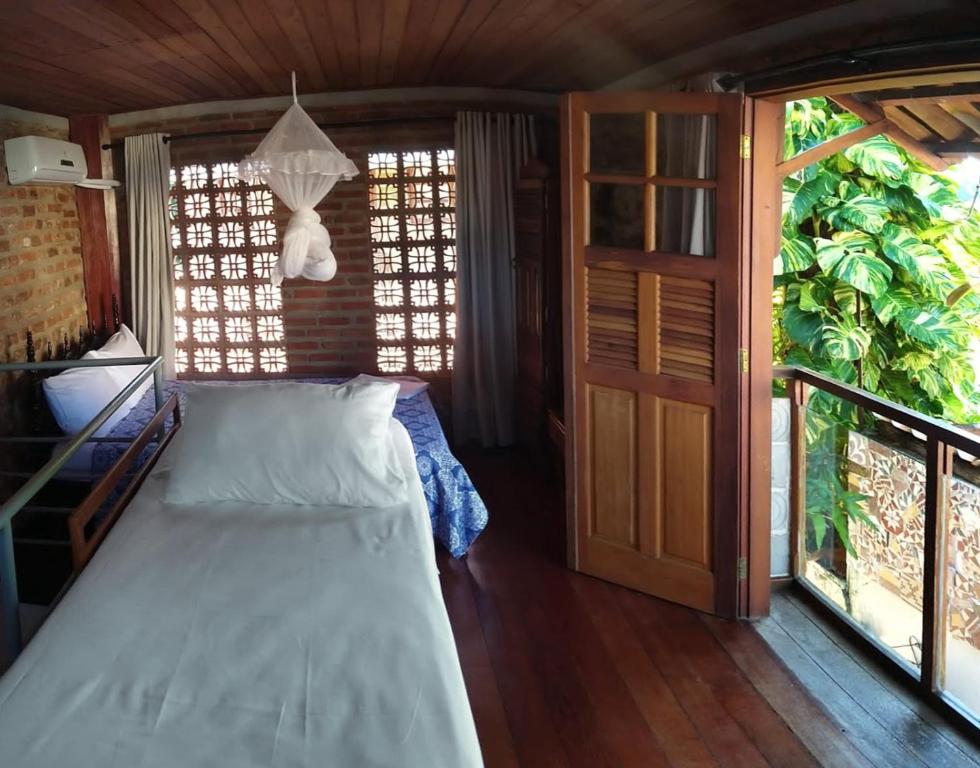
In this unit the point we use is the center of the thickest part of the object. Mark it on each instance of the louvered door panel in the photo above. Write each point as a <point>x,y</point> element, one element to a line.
<point>612,318</point>
<point>686,314</point>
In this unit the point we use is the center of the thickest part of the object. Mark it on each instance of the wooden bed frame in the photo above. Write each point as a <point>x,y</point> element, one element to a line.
<point>85,532</point>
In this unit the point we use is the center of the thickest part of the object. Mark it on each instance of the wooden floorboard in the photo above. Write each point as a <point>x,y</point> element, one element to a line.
<point>879,712</point>
<point>567,671</point>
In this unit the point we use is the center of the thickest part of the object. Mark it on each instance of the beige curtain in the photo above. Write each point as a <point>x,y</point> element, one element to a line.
<point>151,297</point>
<point>490,149</point>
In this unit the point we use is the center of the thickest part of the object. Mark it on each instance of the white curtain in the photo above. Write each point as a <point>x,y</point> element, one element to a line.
<point>151,297</point>
<point>490,149</point>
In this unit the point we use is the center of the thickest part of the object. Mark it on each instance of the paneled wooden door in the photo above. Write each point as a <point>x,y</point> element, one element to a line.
<point>652,222</point>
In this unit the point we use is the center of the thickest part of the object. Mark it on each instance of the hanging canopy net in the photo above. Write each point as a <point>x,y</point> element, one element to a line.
<point>300,165</point>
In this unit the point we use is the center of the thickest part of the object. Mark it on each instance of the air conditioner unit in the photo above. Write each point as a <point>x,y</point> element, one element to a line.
<point>40,160</point>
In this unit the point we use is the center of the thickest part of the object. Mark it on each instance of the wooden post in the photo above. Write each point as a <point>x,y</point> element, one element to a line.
<point>799,393</point>
<point>939,465</point>
<point>762,213</point>
<point>97,217</point>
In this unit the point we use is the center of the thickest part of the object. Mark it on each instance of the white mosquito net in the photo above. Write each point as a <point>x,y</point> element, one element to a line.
<point>300,165</point>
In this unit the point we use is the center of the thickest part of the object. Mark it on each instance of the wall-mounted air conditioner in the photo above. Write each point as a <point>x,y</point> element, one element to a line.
<point>40,160</point>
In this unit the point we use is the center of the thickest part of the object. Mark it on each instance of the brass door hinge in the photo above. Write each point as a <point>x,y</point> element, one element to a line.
<point>745,147</point>
<point>743,569</point>
<point>743,360</point>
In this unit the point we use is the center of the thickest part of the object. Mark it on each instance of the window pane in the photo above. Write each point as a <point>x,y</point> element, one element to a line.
<point>616,215</point>
<point>962,620</point>
<point>865,515</point>
<point>686,146</point>
<point>617,144</point>
<point>685,220</point>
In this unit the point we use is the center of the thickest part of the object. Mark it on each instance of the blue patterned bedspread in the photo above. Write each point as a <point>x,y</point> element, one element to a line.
<point>457,512</point>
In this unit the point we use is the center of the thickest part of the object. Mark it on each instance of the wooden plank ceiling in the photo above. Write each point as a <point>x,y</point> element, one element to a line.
<point>73,56</point>
<point>944,119</point>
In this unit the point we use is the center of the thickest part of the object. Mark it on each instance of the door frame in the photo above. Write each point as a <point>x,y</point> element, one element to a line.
<point>764,121</point>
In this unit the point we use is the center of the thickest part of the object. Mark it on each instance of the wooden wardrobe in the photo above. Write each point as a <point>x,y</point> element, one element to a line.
<point>538,298</point>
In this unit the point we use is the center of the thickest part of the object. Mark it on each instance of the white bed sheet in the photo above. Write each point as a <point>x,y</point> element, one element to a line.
<point>239,635</point>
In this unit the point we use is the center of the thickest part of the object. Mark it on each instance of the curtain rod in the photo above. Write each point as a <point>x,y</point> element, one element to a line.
<point>349,124</point>
<point>854,58</point>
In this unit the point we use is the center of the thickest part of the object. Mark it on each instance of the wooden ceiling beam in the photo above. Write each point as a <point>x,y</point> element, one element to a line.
<point>832,147</point>
<point>939,121</point>
<point>966,113</point>
<point>956,149</point>
<point>910,124</point>
<point>872,114</point>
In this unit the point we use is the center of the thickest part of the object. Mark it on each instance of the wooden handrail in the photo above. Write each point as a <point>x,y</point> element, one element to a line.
<point>83,548</point>
<point>931,427</point>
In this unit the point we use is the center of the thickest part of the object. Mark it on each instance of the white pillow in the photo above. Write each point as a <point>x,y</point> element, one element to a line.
<point>287,443</point>
<point>123,344</point>
<point>76,396</point>
<point>408,386</point>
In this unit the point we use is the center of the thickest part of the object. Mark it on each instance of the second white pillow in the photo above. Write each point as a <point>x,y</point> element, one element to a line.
<point>287,443</point>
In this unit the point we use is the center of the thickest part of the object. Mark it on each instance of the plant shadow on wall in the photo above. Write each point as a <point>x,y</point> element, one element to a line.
<point>873,288</point>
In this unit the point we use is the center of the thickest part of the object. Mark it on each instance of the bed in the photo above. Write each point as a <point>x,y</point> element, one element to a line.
<point>456,510</point>
<point>248,635</point>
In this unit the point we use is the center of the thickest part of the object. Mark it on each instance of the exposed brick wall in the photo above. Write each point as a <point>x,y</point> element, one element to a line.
<point>41,281</point>
<point>329,326</point>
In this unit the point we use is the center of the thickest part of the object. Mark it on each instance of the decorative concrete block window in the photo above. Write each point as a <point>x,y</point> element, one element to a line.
<point>412,201</point>
<point>228,314</point>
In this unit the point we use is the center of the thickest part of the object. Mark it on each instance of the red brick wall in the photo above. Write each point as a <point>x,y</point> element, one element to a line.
<point>329,326</point>
<point>41,281</point>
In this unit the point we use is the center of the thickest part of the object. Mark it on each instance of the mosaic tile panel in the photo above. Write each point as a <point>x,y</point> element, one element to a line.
<point>891,554</point>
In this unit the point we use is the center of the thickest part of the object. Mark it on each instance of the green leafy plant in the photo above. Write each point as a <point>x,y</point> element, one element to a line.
<point>873,288</point>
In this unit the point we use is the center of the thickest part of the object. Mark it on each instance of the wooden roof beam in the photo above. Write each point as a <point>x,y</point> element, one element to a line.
<point>832,147</point>
<point>956,150</point>
<point>870,113</point>
<point>966,113</point>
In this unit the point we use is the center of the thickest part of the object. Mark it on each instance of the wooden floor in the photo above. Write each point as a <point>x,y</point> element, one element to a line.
<point>884,719</point>
<point>566,670</point>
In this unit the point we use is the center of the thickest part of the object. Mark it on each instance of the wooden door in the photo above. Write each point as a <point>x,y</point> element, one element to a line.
<point>651,216</point>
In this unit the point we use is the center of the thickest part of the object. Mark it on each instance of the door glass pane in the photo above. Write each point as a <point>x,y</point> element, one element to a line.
<point>685,220</point>
<point>962,666</point>
<point>617,144</point>
<point>686,146</point>
<point>865,522</point>
<point>616,215</point>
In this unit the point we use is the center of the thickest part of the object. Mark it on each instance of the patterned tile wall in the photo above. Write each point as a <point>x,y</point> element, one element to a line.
<point>891,554</point>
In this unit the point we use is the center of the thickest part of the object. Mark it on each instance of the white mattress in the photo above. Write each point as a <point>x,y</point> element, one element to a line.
<point>240,635</point>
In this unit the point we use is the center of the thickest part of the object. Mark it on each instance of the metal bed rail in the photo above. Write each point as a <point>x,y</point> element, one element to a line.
<point>152,366</point>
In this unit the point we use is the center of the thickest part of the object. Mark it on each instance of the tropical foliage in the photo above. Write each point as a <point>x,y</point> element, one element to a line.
<point>872,287</point>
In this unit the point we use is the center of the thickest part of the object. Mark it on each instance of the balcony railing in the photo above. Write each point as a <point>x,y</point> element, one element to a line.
<point>885,529</point>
